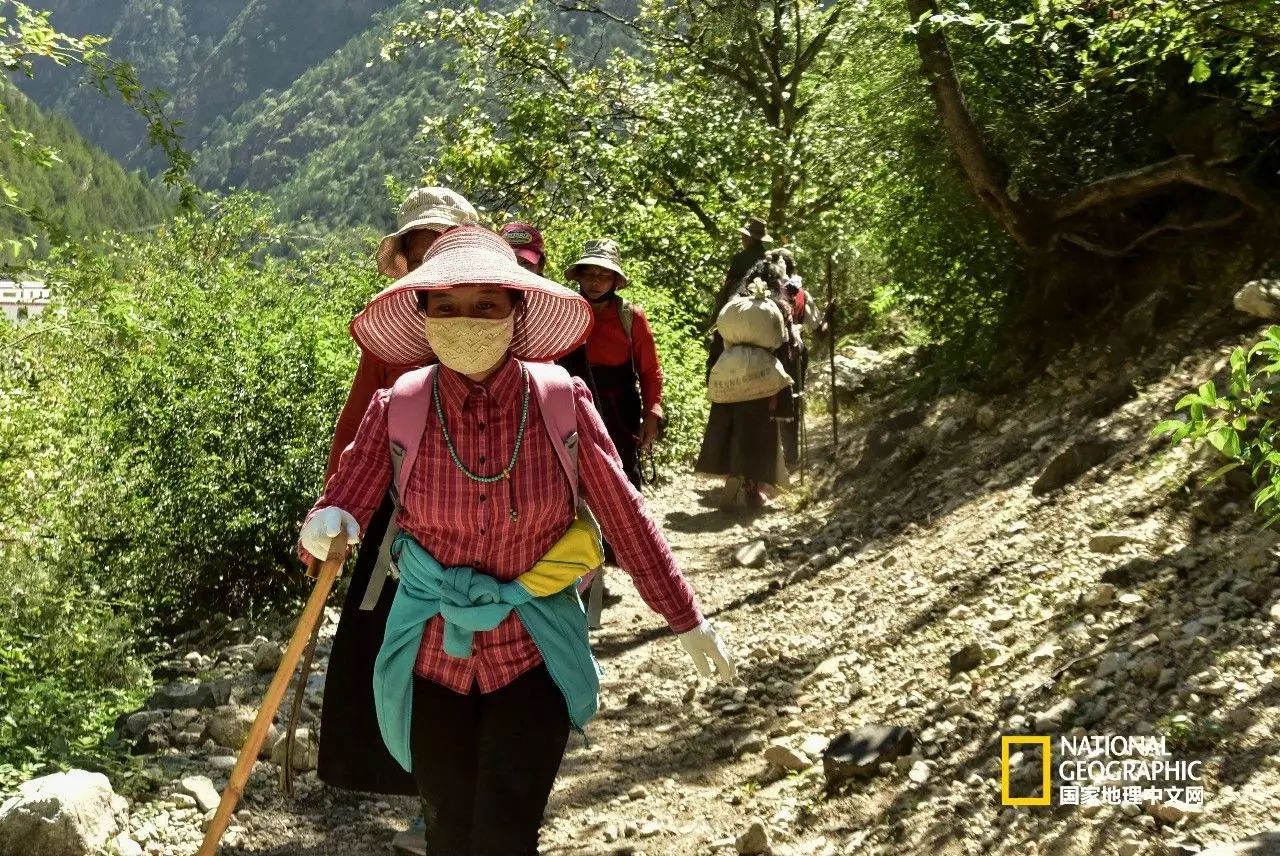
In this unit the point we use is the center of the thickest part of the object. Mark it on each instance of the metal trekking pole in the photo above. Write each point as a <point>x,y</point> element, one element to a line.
<point>831,328</point>
<point>310,619</point>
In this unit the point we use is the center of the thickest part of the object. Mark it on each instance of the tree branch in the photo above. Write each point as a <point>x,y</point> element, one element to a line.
<point>1127,249</point>
<point>1138,183</point>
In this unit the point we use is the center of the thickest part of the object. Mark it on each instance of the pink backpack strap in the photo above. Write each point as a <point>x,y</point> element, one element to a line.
<point>407,413</point>
<point>406,421</point>
<point>554,389</point>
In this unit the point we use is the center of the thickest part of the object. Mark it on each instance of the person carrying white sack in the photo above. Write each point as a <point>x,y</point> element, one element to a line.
<point>486,664</point>
<point>749,380</point>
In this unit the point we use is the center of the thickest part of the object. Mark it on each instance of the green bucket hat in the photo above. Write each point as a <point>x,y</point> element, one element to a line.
<point>603,253</point>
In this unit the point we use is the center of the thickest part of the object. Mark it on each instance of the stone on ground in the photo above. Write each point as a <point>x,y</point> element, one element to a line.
<point>787,758</point>
<point>64,814</point>
<point>751,555</point>
<point>859,754</point>
<point>755,841</point>
<point>202,790</point>
<point>305,750</point>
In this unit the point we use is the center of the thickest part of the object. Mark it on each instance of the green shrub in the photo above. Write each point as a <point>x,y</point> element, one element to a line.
<point>1240,423</point>
<point>163,428</point>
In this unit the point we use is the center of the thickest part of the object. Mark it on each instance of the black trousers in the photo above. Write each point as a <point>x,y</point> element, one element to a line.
<point>618,400</point>
<point>485,763</point>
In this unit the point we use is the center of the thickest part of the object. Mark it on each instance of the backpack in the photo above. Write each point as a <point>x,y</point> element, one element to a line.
<point>407,412</point>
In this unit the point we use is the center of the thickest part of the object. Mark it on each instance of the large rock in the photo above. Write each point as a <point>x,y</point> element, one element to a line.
<point>267,656</point>
<point>139,722</point>
<point>785,757</point>
<point>1071,464</point>
<point>65,814</point>
<point>859,754</point>
<point>1262,844</point>
<point>1110,542</point>
<point>183,694</point>
<point>230,725</point>
<point>1260,298</point>
<point>855,366</point>
<point>967,658</point>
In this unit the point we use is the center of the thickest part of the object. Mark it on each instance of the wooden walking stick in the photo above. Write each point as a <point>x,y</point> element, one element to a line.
<point>310,619</point>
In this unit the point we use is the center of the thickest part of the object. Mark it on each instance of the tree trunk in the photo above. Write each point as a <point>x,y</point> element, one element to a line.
<point>985,170</point>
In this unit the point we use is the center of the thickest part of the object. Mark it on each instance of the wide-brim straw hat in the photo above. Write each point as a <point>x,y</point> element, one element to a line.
<point>436,208</point>
<point>603,253</point>
<point>553,322</point>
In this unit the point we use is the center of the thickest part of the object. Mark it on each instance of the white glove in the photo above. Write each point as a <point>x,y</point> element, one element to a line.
<point>705,648</point>
<point>321,528</point>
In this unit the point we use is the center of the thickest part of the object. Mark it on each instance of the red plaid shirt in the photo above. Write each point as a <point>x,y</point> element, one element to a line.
<point>464,522</point>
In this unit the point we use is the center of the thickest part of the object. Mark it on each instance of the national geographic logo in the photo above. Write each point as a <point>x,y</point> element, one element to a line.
<point>1007,796</point>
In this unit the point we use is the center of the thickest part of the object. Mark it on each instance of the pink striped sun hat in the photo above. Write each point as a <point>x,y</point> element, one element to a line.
<point>554,320</point>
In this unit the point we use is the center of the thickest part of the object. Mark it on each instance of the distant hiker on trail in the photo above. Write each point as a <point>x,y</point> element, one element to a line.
<point>622,353</point>
<point>531,254</point>
<point>755,235</point>
<point>476,701</point>
<point>751,368</point>
<point>351,754</point>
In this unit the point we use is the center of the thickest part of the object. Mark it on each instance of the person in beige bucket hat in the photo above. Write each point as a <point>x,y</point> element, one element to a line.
<point>425,214</point>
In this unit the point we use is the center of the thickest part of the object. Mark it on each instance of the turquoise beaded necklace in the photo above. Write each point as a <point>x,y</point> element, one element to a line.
<point>515,453</point>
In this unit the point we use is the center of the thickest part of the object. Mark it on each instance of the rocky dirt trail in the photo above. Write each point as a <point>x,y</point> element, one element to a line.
<point>1029,564</point>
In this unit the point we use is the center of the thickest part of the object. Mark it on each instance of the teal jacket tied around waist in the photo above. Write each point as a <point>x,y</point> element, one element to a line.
<point>470,601</point>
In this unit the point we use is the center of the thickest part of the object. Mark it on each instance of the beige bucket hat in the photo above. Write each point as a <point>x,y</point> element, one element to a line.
<point>436,208</point>
<point>601,252</point>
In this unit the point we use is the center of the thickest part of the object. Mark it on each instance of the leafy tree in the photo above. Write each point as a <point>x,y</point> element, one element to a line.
<point>27,36</point>
<point>1142,124</point>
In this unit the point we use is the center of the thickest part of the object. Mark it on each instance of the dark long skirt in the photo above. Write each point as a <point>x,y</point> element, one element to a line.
<point>743,440</point>
<point>352,754</point>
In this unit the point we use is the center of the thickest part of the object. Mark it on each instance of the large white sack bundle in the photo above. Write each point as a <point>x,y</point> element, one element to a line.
<point>745,373</point>
<point>752,319</point>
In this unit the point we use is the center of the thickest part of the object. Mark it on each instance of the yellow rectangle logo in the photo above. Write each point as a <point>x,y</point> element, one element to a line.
<point>1046,767</point>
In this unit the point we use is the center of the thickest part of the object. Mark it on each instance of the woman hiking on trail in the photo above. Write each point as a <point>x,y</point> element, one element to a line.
<point>476,701</point>
<point>622,354</point>
<point>742,441</point>
<point>352,755</point>
<point>531,254</point>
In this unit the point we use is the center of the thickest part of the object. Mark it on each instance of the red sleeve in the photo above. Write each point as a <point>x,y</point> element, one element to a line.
<point>371,375</point>
<point>364,468</point>
<point>645,351</point>
<point>639,545</point>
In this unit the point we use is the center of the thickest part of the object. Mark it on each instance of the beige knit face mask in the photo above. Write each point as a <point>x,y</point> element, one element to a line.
<point>470,346</point>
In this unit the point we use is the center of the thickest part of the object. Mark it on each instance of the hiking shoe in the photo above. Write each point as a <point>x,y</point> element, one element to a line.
<point>413,841</point>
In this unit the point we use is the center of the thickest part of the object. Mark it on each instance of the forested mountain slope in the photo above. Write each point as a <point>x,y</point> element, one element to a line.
<point>210,56</point>
<point>84,192</point>
<point>323,146</point>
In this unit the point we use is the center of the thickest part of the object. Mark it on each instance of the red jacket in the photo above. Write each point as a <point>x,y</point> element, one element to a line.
<point>371,375</point>
<point>608,346</point>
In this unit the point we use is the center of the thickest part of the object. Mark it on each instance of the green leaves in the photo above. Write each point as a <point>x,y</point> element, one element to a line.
<point>1235,424</point>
